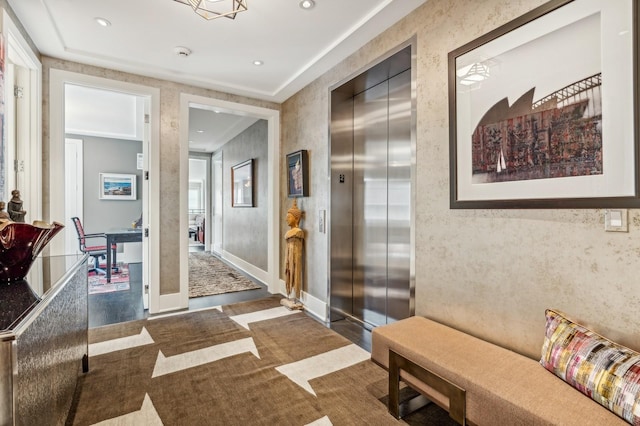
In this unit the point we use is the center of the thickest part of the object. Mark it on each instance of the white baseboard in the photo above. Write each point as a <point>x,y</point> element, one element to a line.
<point>315,306</point>
<point>312,305</point>
<point>169,302</point>
<point>244,266</point>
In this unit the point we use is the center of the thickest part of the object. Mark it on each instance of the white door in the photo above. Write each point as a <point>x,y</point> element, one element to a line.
<point>216,208</point>
<point>73,171</point>
<point>22,150</point>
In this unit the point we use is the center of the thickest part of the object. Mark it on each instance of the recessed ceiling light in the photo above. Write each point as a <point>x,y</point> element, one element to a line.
<point>200,131</point>
<point>103,22</point>
<point>307,4</point>
<point>258,62</point>
<point>182,51</point>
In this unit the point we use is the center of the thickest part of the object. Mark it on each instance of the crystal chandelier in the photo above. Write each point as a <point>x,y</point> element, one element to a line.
<point>212,9</point>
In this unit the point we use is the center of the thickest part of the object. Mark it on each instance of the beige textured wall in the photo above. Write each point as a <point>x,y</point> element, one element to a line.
<point>168,144</point>
<point>489,272</point>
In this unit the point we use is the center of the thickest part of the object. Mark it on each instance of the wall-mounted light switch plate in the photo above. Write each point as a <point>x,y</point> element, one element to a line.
<point>615,220</point>
<point>322,220</point>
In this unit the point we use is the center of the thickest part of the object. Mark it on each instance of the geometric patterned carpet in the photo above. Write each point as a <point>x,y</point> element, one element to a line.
<point>252,363</point>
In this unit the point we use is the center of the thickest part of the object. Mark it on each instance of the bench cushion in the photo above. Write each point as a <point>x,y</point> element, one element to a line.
<point>502,387</point>
<point>607,372</point>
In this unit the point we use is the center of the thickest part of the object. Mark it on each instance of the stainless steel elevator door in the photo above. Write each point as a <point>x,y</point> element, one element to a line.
<point>399,166</point>
<point>371,165</point>
<point>370,142</point>
<point>341,274</point>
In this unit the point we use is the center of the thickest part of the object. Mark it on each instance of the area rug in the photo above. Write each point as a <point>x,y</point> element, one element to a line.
<point>119,281</point>
<point>252,363</point>
<point>208,275</point>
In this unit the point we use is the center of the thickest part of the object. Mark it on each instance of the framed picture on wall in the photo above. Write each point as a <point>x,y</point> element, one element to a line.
<point>542,110</point>
<point>242,184</point>
<point>114,186</point>
<point>297,174</point>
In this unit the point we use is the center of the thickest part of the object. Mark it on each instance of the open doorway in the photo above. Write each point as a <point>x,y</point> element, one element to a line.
<point>131,188</point>
<point>249,132</point>
<point>212,133</point>
<point>21,147</point>
<point>198,201</point>
<point>104,197</point>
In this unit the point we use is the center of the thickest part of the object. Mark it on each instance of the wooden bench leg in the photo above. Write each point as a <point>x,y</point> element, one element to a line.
<point>456,395</point>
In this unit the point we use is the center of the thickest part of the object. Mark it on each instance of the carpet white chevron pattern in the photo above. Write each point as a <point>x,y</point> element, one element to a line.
<point>242,364</point>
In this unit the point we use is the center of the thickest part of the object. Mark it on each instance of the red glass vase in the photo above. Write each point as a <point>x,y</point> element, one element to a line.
<point>20,244</point>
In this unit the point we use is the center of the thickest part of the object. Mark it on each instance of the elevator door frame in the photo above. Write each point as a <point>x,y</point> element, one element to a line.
<point>393,63</point>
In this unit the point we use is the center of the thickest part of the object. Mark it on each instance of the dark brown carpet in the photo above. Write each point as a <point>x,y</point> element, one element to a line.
<point>241,389</point>
<point>209,275</point>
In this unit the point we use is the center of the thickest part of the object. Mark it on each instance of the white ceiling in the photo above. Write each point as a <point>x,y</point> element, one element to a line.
<point>295,45</point>
<point>106,114</point>
<point>209,130</point>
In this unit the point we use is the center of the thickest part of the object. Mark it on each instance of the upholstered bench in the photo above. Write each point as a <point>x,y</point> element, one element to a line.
<point>476,381</point>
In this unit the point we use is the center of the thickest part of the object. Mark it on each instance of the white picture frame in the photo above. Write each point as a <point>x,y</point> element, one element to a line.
<point>525,66</point>
<point>117,186</point>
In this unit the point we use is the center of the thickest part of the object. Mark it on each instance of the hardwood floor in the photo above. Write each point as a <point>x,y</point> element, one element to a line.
<point>354,332</point>
<point>123,306</point>
<point>119,306</point>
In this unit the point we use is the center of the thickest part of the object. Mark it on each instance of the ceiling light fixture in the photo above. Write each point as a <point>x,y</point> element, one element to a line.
<point>102,22</point>
<point>257,62</point>
<point>209,9</point>
<point>307,4</point>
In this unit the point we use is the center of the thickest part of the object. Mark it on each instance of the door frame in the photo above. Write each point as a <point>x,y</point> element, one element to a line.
<point>334,90</point>
<point>272,276</point>
<point>58,79</point>
<point>216,203</point>
<point>76,168</point>
<point>20,53</point>
<point>29,128</point>
<point>206,158</point>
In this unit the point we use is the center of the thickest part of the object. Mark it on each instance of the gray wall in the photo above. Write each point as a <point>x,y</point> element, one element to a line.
<point>105,155</point>
<point>244,232</point>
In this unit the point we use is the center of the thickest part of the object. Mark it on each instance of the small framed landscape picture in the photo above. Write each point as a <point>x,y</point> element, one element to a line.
<point>115,186</point>
<point>297,174</point>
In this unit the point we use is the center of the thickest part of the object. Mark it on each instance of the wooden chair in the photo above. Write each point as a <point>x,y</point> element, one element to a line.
<point>97,252</point>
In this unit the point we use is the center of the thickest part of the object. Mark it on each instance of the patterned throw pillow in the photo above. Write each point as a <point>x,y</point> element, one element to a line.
<point>601,369</point>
